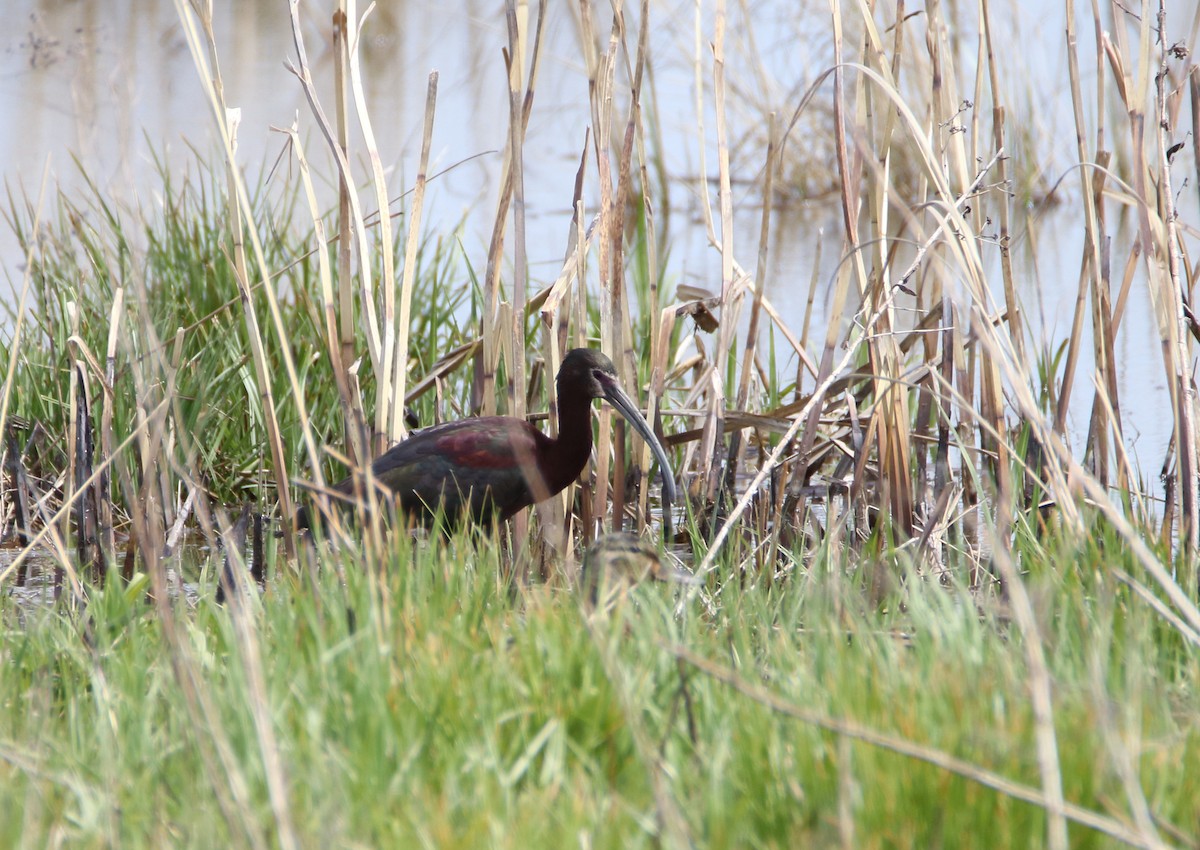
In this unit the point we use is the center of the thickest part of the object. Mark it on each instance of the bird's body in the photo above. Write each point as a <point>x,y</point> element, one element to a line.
<point>618,561</point>
<point>473,467</point>
<point>493,466</point>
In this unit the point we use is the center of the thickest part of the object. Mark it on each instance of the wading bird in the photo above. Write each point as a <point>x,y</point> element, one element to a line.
<point>493,466</point>
<point>618,561</point>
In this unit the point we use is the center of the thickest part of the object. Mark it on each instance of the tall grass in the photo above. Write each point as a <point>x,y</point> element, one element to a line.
<point>429,704</point>
<point>923,618</point>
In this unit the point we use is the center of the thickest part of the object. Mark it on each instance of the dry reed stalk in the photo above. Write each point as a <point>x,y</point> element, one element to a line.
<point>1012,303</point>
<point>483,396</point>
<point>1106,410</point>
<point>240,212</point>
<point>934,180</point>
<point>1156,230</point>
<point>704,469</point>
<point>926,401</point>
<point>660,359</point>
<point>601,68</point>
<point>1194,96</point>
<point>1090,263</point>
<point>804,466</point>
<point>652,269</point>
<point>351,404</point>
<point>826,375</point>
<point>517,19</point>
<point>1016,326</point>
<point>626,357</point>
<point>736,446</point>
<point>1180,351</point>
<point>355,420</point>
<point>348,197</point>
<point>890,415</point>
<point>71,491</point>
<point>555,315</point>
<point>967,182</point>
<point>412,244</point>
<point>385,372</point>
<point>713,443</point>
<point>14,345</point>
<point>107,440</point>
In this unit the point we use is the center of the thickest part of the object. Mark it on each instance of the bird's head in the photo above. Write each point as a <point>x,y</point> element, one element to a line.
<point>588,371</point>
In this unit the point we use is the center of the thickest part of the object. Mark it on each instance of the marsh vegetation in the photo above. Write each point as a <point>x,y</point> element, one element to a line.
<point>928,609</point>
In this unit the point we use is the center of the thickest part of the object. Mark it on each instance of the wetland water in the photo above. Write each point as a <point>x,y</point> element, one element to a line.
<point>113,84</point>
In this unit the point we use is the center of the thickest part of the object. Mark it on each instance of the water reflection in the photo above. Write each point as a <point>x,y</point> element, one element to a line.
<point>184,572</point>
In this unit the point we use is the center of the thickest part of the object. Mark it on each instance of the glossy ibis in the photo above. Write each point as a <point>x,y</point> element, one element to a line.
<point>617,561</point>
<point>493,466</point>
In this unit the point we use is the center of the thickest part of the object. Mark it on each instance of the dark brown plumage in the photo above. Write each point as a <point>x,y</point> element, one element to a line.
<point>494,466</point>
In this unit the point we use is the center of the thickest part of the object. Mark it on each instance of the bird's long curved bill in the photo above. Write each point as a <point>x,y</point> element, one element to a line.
<point>625,405</point>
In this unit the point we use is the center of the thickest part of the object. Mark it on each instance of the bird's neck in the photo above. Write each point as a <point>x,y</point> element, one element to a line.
<point>573,446</point>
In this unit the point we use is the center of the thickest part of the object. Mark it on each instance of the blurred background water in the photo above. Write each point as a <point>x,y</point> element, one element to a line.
<point>109,90</point>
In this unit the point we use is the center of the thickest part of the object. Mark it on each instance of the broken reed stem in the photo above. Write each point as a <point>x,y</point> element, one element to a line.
<point>483,391</point>
<point>1090,262</point>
